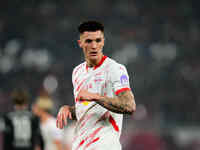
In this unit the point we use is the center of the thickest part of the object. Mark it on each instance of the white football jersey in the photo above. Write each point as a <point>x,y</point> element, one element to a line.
<point>109,78</point>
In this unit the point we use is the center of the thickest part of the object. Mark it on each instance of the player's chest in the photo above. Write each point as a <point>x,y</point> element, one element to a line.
<point>91,80</point>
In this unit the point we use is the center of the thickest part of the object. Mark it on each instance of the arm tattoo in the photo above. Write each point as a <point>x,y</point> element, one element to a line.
<point>123,103</point>
<point>73,112</point>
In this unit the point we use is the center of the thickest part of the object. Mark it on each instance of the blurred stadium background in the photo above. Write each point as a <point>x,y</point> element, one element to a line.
<point>157,40</point>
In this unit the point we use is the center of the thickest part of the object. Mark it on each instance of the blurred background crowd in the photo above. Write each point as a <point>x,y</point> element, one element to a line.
<point>158,41</point>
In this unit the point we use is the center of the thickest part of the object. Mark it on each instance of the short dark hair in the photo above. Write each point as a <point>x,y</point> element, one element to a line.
<point>90,26</point>
<point>20,97</point>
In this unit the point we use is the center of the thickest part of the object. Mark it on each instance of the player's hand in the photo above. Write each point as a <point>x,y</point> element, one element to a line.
<point>63,114</point>
<point>88,96</point>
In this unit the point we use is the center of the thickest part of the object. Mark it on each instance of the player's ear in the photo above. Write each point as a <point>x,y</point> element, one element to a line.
<point>79,42</point>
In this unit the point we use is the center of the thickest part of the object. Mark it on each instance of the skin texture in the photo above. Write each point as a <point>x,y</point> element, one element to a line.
<point>123,103</point>
<point>92,44</point>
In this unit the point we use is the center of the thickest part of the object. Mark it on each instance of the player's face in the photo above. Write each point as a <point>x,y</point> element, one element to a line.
<point>92,44</point>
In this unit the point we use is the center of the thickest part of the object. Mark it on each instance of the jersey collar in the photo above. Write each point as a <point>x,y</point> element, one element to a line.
<point>100,63</point>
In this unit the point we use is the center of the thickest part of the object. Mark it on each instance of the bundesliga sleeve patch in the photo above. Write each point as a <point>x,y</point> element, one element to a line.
<point>124,79</point>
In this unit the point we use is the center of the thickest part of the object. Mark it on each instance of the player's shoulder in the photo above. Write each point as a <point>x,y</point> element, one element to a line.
<point>19,113</point>
<point>114,64</point>
<point>78,68</point>
<point>7,117</point>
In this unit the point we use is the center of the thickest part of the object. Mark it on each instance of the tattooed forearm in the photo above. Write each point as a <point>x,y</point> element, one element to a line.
<point>123,103</point>
<point>72,110</point>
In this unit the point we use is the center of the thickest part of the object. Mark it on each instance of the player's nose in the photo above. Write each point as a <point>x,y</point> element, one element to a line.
<point>94,45</point>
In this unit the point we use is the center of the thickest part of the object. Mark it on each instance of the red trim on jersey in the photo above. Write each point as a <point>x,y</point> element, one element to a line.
<point>86,120</point>
<point>121,90</point>
<point>86,67</point>
<point>77,89</point>
<point>113,122</point>
<point>76,70</point>
<point>90,138</point>
<point>92,135</point>
<point>81,143</point>
<point>91,142</point>
<point>100,63</point>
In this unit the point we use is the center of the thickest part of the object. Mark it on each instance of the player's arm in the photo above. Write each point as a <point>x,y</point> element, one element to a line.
<point>73,113</point>
<point>123,103</point>
<point>64,113</point>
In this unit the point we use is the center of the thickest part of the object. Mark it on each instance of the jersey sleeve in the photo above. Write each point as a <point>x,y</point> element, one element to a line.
<point>74,79</point>
<point>119,78</point>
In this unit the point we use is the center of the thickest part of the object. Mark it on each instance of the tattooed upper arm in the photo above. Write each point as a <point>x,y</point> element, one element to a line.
<point>123,103</point>
<point>127,100</point>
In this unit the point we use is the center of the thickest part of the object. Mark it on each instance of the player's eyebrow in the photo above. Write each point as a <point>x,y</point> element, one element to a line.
<point>88,40</point>
<point>96,40</point>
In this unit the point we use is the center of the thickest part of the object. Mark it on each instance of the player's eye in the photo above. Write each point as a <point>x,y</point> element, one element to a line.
<point>98,40</point>
<point>88,41</point>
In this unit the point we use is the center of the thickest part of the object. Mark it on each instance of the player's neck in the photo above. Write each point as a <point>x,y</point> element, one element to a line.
<point>93,63</point>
